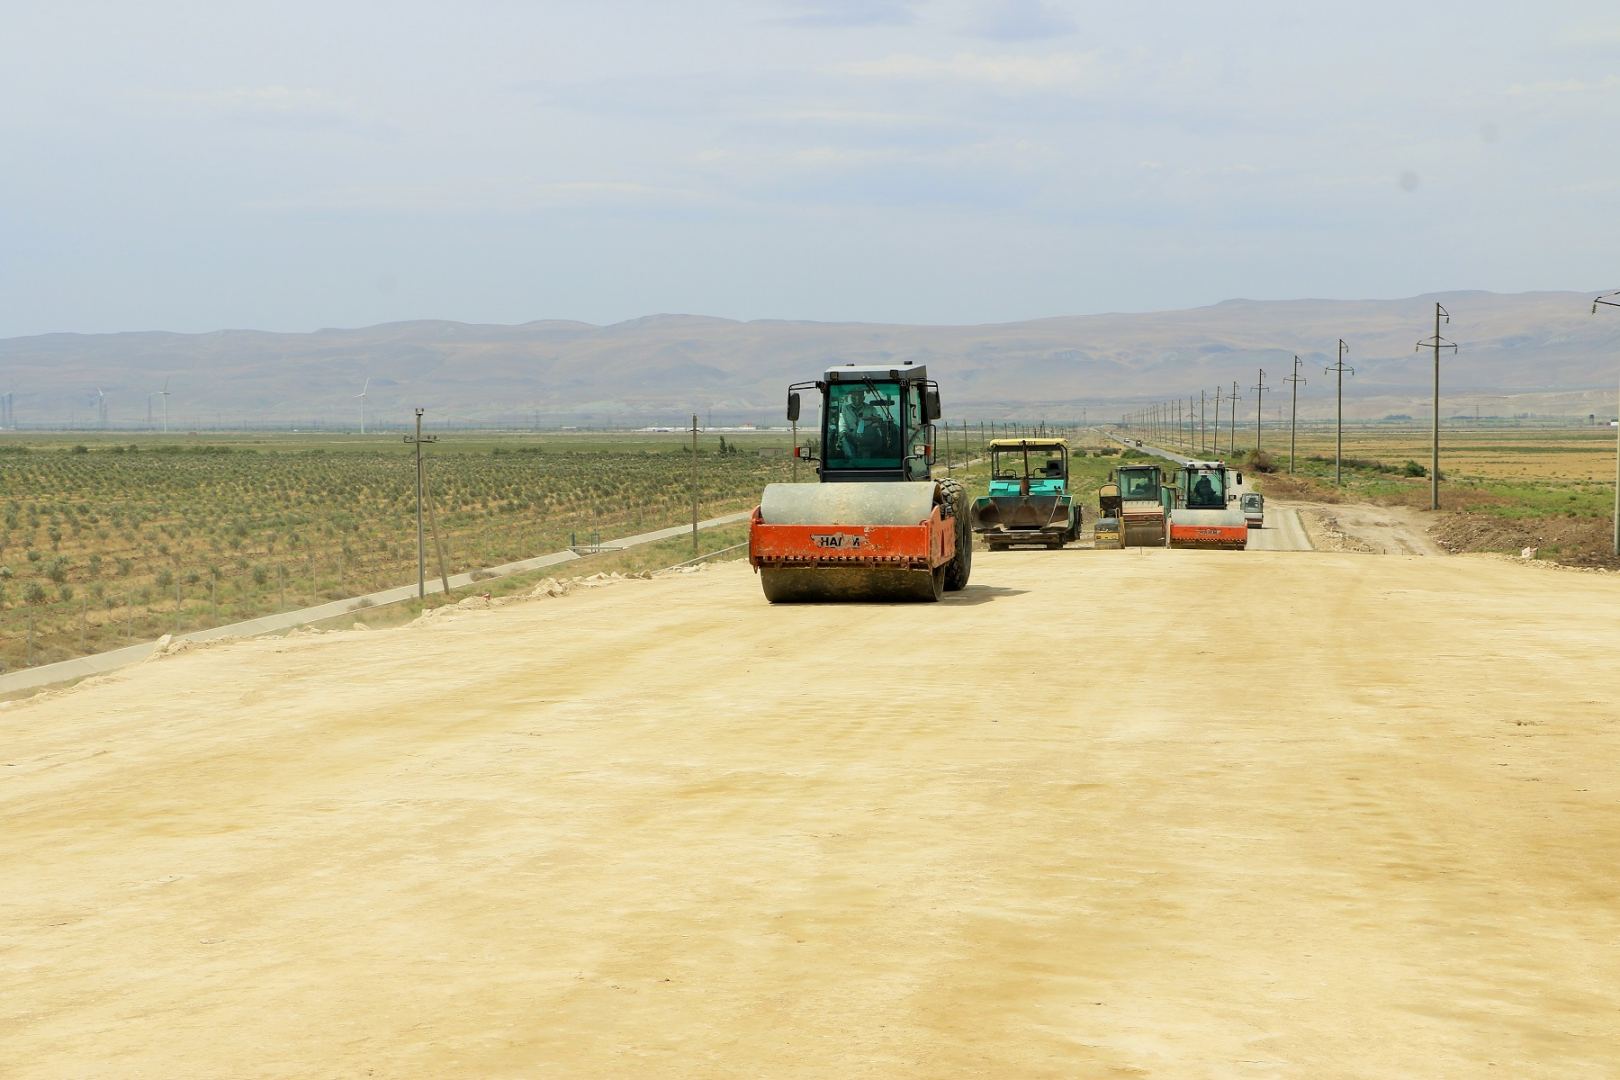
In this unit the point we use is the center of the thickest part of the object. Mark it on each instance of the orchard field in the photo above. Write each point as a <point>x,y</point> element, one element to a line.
<point>108,541</point>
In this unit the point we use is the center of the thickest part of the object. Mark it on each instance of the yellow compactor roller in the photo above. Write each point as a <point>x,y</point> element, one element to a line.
<point>1140,505</point>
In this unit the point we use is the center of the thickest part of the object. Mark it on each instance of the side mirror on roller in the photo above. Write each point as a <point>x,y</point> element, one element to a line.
<point>931,407</point>
<point>793,408</point>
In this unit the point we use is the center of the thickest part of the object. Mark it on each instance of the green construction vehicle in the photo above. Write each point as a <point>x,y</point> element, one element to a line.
<point>1029,501</point>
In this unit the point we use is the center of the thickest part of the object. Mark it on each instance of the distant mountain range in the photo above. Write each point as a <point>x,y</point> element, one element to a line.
<point>1537,352</point>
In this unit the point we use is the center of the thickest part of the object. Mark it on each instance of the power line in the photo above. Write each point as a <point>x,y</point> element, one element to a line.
<point>1259,399</point>
<point>1607,300</point>
<point>1293,413</point>
<point>1338,444</point>
<point>1436,343</point>
<point>1233,399</point>
<point>421,543</point>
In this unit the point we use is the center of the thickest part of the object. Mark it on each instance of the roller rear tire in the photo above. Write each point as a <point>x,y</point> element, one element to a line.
<point>960,567</point>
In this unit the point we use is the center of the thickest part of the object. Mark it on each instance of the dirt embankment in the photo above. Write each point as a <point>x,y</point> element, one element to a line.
<point>1380,530</point>
<point>1568,540</point>
<point>1397,526</point>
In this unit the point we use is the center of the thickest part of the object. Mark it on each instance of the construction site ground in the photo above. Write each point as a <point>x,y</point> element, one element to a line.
<point>1105,813</point>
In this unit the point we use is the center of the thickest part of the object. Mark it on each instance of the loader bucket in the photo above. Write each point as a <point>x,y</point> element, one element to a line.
<point>1014,513</point>
<point>851,541</point>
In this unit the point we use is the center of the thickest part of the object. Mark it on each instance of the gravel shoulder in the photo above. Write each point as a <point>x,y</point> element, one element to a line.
<point>1341,829</point>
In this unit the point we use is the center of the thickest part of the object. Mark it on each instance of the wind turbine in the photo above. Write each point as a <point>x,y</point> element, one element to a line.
<point>101,407</point>
<point>362,396</point>
<point>164,393</point>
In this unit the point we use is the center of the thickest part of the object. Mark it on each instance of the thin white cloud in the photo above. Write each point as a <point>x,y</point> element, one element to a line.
<point>1588,37</point>
<point>1025,20</point>
<point>1002,154</point>
<point>280,100</point>
<point>855,118</point>
<point>1565,87</point>
<point>271,106</point>
<point>606,192</point>
<point>1071,71</point>
<point>508,196</point>
<point>848,13</point>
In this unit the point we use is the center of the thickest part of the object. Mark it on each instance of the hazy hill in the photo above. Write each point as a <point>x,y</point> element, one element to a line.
<point>1543,349</point>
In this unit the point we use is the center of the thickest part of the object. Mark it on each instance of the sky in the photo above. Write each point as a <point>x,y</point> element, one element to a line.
<point>290,166</point>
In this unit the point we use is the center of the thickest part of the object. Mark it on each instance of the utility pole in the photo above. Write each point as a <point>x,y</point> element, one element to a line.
<point>1217,433</point>
<point>1233,399</point>
<point>1607,300</point>
<point>1338,447</point>
<point>421,541</point>
<point>1436,343</point>
<point>1293,412</point>
<point>1203,427</point>
<point>694,486</point>
<point>1259,397</point>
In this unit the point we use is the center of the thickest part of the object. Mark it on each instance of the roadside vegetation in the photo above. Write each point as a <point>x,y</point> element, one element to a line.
<point>1503,488</point>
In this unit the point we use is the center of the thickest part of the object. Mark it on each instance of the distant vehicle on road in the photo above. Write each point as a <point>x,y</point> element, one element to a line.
<point>1254,509</point>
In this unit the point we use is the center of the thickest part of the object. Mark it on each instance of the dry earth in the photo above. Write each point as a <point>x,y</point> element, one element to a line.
<point>1384,530</point>
<point>1140,813</point>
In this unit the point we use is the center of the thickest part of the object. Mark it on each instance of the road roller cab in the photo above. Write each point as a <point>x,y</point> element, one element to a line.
<point>877,423</point>
<point>1140,504</point>
<point>1204,515</point>
<point>877,525</point>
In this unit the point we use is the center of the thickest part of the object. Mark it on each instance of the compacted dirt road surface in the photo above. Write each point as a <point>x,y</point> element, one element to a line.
<point>1130,813</point>
<point>1382,530</point>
